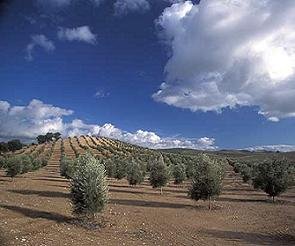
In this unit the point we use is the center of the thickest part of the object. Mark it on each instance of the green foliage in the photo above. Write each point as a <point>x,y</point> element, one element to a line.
<point>121,167</point>
<point>67,167</point>
<point>3,147</point>
<point>207,179</point>
<point>2,162</point>
<point>14,145</point>
<point>273,176</point>
<point>13,166</point>
<point>111,168</point>
<point>135,174</point>
<point>246,172</point>
<point>179,174</point>
<point>159,175</point>
<point>21,164</point>
<point>89,190</point>
<point>48,137</point>
<point>26,163</point>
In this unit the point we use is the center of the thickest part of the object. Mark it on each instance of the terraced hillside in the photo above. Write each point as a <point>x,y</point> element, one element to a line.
<point>35,208</point>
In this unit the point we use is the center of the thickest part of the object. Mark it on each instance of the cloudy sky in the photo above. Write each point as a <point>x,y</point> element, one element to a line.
<point>159,73</point>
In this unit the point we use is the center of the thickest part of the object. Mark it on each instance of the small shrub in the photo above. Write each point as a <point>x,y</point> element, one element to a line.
<point>14,166</point>
<point>2,162</point>
<point>110,167</point>
<point>121,168</point>
<point>159,175</point>
<point>246,172</point>
<point>26,163</point>
<point>67,167</point>
<point>179,174</point>
<point>89,190</point>
<point>135,174</point>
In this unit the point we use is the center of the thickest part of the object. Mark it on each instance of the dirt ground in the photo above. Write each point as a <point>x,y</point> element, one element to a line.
<point>35,210</point>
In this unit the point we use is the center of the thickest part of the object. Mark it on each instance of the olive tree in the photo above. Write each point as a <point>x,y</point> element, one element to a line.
<point>67,167</point>
<point>135,174</point>
<point>159,175</point>
<point>89,189</point>
<point>179,174</point>
<point>273,176</point>
<point>207,180</point>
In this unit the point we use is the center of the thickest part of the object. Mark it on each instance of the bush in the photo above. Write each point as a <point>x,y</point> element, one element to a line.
<point>159,175</point>
<point>273,177</point>
<point>2,162</point>
<point>207,180</point>
<point>26,163</point>
<point>14,166</point>
<point>135,174</point>
<point>14,145</point>
<point>67,167</point>
<point>110,167</point>
<point>179,174</point>
<point>246,172</point>
<point>22,164</point>
<point>121,167</point>
<point>89,191</point>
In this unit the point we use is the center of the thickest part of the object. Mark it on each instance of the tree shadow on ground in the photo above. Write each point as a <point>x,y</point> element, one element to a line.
<point>252,238</point>
<point>243,194</point>
<point>130,191</point>
<point>51,179</point>
<point>238,189</point>
<point>151,204</point>
<point>55,217</point>
<point>42,193</point>
<point>37,214</point>
<point>230,199</point>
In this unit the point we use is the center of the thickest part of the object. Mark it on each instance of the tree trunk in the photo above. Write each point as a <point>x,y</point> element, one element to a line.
<point>273,199</point>
<point>209,198</point>
<point>161,190</point>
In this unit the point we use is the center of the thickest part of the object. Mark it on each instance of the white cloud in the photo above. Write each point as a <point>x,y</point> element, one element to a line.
<point>82,34</point>
<point>279,147</point>
<point>26,122</point>
<point>123,7</point>
<point>101,94</point>
<point>230,53</point>
<point>41,41</point>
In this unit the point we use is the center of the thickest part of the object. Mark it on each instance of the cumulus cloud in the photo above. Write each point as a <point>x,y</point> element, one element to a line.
<point>231,53</point>
<point>279,147</point>
<point>123,7</point>
<point>38,41</point>
<point>82,34</point>
<point>27,122</point>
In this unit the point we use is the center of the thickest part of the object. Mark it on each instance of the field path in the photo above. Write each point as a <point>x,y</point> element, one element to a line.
<point>35,210</point>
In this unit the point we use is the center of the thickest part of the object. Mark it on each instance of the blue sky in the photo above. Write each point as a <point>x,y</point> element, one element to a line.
<point>144,72</point>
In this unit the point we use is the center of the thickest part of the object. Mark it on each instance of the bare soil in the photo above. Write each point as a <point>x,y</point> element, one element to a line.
<point>35,209</point>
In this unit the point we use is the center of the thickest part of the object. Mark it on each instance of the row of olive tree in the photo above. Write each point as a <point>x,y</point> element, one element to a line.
<point>273,176</point>
<point>89,189</point>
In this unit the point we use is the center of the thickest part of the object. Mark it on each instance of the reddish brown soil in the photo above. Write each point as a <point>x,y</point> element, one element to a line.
<point>35,210</point>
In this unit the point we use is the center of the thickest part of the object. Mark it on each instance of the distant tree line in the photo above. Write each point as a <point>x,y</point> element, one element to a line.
<point>48,137</point>
<point>11,145</point>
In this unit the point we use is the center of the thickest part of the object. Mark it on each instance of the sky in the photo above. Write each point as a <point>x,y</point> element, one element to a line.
<point>216,74</point>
